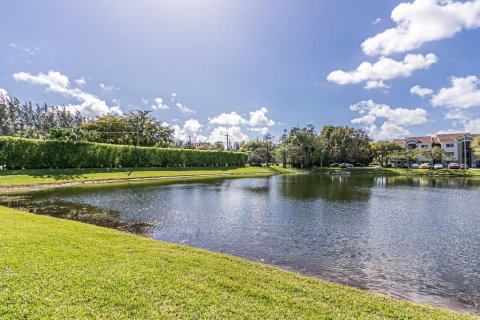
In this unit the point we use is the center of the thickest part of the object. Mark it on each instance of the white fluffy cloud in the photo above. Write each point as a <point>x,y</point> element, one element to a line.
<point>372,84</point>
<point>159,104</point>
<point>262,130</point>
<point>419,91</point>
<point>235,134</point>
<point>232,119</point>
<point>184,109</point>
<point>258,118</point>
<point>463,120</point>
<point>382,70</point>
<point>395,120</point>
<point>189,130</point>
<point>56,82</point>
<point>423,21</point>
<point>463,93</point>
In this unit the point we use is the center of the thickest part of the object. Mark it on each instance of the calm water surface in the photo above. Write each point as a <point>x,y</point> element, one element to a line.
<point>410,238</point>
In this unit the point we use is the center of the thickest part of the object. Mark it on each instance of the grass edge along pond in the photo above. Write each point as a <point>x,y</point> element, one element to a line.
<point>31,177</point>
<point>54,268</point>
<point>402,172</point>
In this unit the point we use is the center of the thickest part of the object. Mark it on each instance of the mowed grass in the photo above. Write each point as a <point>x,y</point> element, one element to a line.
<point>403,172</point>
<point>47,176</point>
<point>59,269</point>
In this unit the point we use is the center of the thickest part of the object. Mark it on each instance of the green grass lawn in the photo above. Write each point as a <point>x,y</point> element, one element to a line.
<point>58,269</point>
<point>403,172</point>
<point>47,176</point>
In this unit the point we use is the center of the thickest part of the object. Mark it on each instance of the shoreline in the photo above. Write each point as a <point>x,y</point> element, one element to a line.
<point>41,186</point>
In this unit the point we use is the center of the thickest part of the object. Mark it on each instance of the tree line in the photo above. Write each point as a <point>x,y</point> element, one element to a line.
<point>307,148</point>
<point>28,120</point>
<point>297,147</point>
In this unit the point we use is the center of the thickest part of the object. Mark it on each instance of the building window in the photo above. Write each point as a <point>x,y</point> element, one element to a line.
<point>424,146</point>
<point>450,154</point>
<point>449,145</point>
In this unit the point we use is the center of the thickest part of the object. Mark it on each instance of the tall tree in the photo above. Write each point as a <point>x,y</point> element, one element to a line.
<point>433,155</point>
<point>476,146</point>
<point>383,151</point>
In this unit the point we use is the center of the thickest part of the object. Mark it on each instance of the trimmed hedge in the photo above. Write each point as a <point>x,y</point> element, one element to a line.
<point>21,153</point>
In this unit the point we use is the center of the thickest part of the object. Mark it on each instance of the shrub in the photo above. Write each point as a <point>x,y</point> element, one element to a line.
<point>21,153</point>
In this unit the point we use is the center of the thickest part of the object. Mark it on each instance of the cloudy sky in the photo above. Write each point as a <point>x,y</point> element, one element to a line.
<point>252,66</point>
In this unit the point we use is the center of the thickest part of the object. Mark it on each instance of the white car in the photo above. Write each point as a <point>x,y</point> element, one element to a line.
<point>414,166</point>
<point>438,166</point>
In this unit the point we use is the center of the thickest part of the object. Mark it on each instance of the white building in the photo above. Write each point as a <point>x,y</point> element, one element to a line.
<point>457,146</point>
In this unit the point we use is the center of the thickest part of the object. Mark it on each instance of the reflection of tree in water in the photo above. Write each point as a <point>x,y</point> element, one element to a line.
<point>74,211</point>
<point>327,187</point>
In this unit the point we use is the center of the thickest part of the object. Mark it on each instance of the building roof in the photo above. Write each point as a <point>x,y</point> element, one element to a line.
<point>451,137</point>
<point>427,139</point>
<point>438,139</point>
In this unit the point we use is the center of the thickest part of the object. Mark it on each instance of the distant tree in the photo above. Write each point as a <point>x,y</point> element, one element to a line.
<point>433,155</point>
<point>383,151</point>
<point>258,157</point>
<point>280,152</point>
<point>253,145</point>
<point>134,128</point>
<point>476,146</point>
<point>349,145</point>
<point>33,120</point>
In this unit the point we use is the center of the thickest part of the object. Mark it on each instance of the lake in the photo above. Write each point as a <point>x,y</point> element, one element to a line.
<point>412,238</point>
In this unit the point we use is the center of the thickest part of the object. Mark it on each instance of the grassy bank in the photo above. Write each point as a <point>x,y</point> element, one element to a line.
<point>10,178</point>
<point>402,172</point>
<point>52,268</point>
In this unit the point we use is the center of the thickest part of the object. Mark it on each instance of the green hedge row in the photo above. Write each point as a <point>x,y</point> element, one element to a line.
<point>19,153</point>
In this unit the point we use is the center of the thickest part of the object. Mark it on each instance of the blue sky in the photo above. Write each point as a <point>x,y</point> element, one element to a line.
<point>247,67</point>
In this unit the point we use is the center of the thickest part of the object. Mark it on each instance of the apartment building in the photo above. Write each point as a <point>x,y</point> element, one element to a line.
<point>456,145</point>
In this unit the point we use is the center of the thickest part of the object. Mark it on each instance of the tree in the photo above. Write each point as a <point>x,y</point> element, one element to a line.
<point>135,128</point>
<point>305,142</point>
<point>433,155</point>
<point>258,156</point>
<point>476,146</point>
<point>383,151</point>
<point>280,152</point>
<point>268,146</point>
<point>347,144</point>
<point>33,120</point>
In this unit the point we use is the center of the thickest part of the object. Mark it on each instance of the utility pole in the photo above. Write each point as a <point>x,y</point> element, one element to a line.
<point>227,142</point>
<point>465,151</point>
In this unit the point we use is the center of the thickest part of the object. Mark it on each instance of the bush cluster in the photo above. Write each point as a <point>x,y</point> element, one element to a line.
<point>21,153</point>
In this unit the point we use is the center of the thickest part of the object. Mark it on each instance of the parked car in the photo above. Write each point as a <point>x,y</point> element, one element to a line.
<point>438,166</point>
<point>335,165</point>
<point>346,165</point>
<point>414,166</point>
<point>453,165</point>
<point>463,166</point>
<point>425,166</point>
